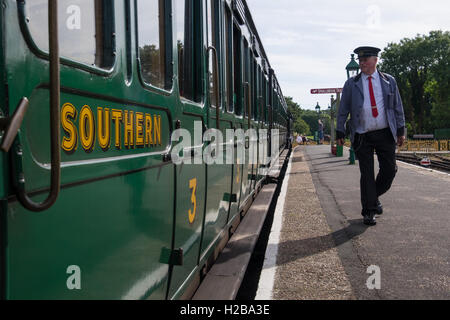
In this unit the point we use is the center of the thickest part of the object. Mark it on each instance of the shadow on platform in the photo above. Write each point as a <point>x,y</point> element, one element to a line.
<point>292,250</point>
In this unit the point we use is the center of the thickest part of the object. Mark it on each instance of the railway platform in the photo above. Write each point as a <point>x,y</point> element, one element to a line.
<point>319,248</point>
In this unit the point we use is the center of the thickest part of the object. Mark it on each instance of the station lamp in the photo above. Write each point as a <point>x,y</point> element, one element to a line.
<point>352,68</point>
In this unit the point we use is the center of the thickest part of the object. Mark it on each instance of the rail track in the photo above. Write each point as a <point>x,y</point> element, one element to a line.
<point>437,162</point>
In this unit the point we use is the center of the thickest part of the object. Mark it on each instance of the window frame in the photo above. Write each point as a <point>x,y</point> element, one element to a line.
<point>215,33</point>
<point>246,75</point>
<point>169,52</point>
<point>254,85</point>
<point>70,62</point>
<point>228,75</point>
<point>239,67</point>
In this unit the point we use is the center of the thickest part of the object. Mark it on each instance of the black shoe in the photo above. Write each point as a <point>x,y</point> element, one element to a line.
<point>369,219</point>
<point>379,207</point>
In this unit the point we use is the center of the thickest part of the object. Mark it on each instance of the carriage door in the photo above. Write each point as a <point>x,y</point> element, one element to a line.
<point>107,234</point>
<point>238,105</point>
<point>218,172</point>
<point>247,166</point>
<point>190,175</point>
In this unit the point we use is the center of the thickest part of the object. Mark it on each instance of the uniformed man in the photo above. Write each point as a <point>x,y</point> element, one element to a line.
<point>377,124</point>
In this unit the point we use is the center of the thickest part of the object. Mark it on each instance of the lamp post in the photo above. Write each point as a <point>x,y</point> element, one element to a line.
<point>316,135</point>
<point>332,129</point>
<point>352,70</point>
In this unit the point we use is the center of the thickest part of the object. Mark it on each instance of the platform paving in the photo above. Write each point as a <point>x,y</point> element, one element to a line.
<point>326,252</point>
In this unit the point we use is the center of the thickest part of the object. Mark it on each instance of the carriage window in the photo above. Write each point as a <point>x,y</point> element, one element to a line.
<point>213,41</point>
<point>254,89</point>
<point>246,78</point>
<point>188,24</point>
<point>237,70</point>
<point>183,13</point>
<point>228,60</point>
<point>155,67</point>
<point>265,86</point>
<point>259,93</point>
<point>182,10</point>
<point>86,29</point>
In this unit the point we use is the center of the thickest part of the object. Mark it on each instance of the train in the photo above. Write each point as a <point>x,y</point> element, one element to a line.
<point>92,204</point>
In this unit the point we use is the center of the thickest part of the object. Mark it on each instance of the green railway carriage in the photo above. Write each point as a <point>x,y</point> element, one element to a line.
<point>92,205</point>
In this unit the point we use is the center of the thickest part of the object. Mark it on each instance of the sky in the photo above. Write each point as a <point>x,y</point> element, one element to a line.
<point>309,42</point>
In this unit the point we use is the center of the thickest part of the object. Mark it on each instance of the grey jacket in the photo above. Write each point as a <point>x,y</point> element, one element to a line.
<point>352,103</point>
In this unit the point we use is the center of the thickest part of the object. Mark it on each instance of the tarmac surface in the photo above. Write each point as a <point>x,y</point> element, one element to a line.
<point>324,250</point>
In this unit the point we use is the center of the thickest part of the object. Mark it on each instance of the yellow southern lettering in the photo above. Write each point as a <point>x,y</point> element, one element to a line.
<point>156,130</point>
<point>117,116</point>
<point>148,129</point>
<point>68,114</point>
<point>128,129</point>
<point>104,128</point>
<point>131,128</point>
<point>139,129</point>
<point>87,128</point>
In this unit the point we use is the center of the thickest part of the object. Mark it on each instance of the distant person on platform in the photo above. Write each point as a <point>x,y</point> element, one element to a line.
<point>299,139</point>
<point>320,132</point>
<point>377,124</point>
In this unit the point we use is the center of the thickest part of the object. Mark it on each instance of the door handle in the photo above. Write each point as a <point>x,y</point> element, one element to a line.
<point>55,119</point>
<point>11,125</point>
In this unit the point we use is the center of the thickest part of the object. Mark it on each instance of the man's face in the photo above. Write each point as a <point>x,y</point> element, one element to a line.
<point>368,65</point>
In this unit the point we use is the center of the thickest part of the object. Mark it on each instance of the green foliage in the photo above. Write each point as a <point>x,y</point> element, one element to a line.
<point>306,121</point>
<point>152,69</point>
<point>421,67</point>
<point>301,127</point>
<point>293,107</point>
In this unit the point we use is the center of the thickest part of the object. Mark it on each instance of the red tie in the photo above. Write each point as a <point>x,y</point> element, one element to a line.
<point>372,99</point>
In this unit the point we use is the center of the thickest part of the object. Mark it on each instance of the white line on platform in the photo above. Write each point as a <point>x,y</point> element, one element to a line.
<point>267,278</point>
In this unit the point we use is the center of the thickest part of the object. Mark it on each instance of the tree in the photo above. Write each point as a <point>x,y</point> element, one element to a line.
<point>311,118</point>
<point>293,107</point>
<point>306,121</point>
<point>301,127</point>
<point>421,67</point>
<point>151,64</point>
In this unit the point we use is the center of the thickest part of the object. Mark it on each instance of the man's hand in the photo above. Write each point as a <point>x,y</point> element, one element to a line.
<point>340,142</point>
<point>401,140</point>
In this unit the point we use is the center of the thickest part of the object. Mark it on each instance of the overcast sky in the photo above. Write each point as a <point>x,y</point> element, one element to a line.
<point>309,42</point>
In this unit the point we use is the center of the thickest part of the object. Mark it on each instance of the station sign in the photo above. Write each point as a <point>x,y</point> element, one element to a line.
<point>326,91</point>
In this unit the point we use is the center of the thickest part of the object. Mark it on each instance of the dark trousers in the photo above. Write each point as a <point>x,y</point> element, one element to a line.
<point>382,142</point>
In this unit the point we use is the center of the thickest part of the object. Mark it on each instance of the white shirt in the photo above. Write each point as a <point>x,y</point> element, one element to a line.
<point>368,122</point>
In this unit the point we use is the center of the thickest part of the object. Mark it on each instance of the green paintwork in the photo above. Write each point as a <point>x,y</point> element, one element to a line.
<point>187,234</point>
<point>120,212</point>
<point>216,211</point>
<point>3,158</point>
<point>108,220</point>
